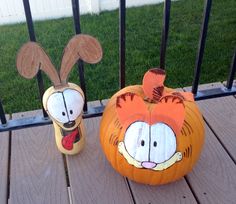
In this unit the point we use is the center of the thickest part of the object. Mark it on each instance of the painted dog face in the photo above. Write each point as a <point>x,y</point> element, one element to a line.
<point>64,101</point>
<point>65,107</point>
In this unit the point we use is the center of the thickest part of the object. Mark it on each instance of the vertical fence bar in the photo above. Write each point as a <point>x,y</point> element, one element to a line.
<point>122,13</point>
<point>2,114</point>
<point>30,26</point>
<point>201,46</point>
<point>76,15</point>
<point>29,20</point>
<point>165,31</point>
<point>232,72</point>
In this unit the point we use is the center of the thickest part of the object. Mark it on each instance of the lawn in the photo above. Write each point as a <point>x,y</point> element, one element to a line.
<point>143,41</point>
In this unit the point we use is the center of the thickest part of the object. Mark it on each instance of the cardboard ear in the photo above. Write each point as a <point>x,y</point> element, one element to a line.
<point>153,83</point>
<point>82,47</point>
<point>129,105</point>
<point>31,58</point>
<point>170,110</point>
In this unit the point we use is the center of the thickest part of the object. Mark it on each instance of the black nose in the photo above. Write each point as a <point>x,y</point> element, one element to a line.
<point>69,124</point>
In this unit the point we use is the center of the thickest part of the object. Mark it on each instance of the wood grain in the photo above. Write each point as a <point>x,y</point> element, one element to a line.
<point>220,114</point>
<point>37,168</point>
<point>4,150</point>
<point>92,179</point>
<point>177,192</point>
<point>213,178</point>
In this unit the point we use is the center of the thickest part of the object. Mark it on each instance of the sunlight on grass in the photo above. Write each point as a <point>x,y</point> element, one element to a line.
<point>143,41</point>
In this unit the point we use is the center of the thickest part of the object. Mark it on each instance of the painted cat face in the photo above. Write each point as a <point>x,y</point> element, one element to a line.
<point>150,136</point>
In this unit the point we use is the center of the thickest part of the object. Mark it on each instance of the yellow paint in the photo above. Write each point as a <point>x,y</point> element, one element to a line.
<point>78,146</point>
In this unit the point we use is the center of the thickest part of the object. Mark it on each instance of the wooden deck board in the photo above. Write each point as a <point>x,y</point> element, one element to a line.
<point>37,173</point>
<point>92,179</point>
<point>213,178</point>
<point>220,114</point>
<point>177,192</point>
<point>4,150</point>
<point>37,169</point>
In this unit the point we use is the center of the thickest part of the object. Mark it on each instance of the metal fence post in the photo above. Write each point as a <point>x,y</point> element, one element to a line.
<point>165,31</point>
<point>30,26</point>
<point>201,47</point>
<point>122,13</point>
<point>76,16</point>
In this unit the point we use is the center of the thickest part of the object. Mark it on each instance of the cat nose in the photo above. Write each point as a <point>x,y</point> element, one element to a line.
<point>69,124</point>
<point>148,164</point>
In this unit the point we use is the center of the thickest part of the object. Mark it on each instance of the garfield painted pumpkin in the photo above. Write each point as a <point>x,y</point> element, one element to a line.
<point>150,133</point>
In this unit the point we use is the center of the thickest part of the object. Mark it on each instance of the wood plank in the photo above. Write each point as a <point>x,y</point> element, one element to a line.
<point>92,179</point>
<point>177,192</point>
<point>220,114</point>
<point>4,152</point>
<point>213,178</point>
<point>37,168</point>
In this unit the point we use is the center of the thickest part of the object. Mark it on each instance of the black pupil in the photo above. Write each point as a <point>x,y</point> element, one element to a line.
<point>63,113</point>
<point>155,144</point>
<point>71,111</point>
<point>142,142</point>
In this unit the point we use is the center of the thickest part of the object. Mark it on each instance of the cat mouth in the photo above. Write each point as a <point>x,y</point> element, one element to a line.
<point>69,138</point>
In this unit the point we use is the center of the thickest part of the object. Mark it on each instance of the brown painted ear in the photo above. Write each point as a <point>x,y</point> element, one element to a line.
<point>130,105</point>
<point>170,110</point>
<point>31,58</point>
<point>82,47</point>
<point>153,83</point>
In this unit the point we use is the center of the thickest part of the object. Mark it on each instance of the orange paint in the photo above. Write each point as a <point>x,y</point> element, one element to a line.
<point>174,110</point>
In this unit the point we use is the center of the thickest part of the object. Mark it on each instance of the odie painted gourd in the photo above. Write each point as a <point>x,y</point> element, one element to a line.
<point>63,101</point>
<point>150,133</point>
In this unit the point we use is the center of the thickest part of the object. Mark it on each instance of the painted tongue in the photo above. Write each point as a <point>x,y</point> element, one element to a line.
<point>68,140</point>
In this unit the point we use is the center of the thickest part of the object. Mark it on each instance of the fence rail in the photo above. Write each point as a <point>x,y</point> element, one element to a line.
<point>97,111</point>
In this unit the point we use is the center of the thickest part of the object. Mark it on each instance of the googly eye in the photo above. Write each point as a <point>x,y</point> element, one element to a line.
<point>74,103</point>
<point>56,107</point>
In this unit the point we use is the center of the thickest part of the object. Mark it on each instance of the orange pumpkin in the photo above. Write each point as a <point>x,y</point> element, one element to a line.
<point>150,133</point>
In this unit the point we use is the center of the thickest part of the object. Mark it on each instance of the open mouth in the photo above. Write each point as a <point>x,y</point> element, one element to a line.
<point>69,138</point>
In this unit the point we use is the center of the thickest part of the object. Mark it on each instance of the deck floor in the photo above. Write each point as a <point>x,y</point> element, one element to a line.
<point>33,171</point>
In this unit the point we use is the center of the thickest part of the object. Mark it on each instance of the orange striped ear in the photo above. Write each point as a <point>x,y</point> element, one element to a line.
<point>170,110</point>
<point>187,96</point>
<point>153,83</point>
<point>131,107</point>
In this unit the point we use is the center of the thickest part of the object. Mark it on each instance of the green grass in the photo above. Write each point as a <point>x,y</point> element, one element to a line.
<point>143,42</point>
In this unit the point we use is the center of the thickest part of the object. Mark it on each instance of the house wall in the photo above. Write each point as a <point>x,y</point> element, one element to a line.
<point>12,11</point>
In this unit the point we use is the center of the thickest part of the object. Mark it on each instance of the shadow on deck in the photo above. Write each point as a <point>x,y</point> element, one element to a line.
<point>33,171</point>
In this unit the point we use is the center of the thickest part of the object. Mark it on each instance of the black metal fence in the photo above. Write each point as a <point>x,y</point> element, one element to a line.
<point>229,89</point>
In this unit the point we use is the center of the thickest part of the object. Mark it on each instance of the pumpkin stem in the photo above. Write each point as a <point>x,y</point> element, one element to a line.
<point>153,83</point>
